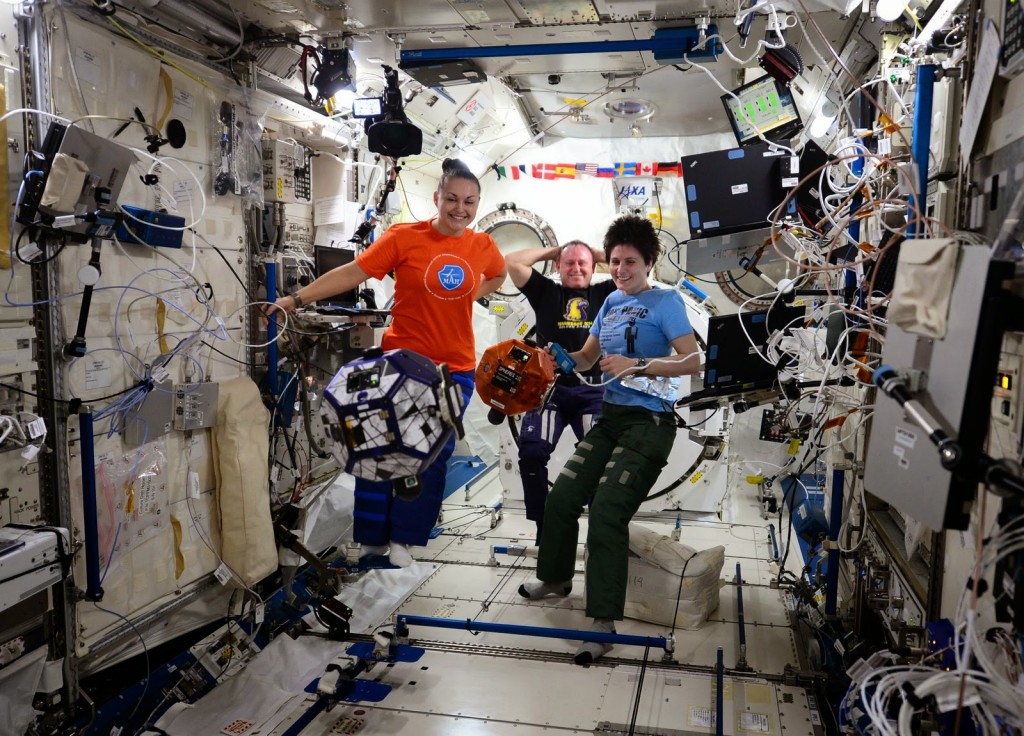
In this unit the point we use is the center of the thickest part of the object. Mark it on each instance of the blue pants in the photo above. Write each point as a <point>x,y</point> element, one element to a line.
<point>573,406</point>
<point>379,517</point>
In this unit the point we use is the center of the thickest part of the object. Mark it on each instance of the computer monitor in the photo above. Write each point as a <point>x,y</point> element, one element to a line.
<point>734,190</point>
<point>763,106</point>
<point>732,364</point>
<point>327,259</point>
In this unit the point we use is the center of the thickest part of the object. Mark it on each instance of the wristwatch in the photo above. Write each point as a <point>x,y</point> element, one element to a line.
<point>641,364</point>
<point>298,299</point>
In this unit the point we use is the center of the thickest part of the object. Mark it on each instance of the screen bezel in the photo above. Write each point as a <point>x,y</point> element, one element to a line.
<point>783,130</point>
<point>327,258</point>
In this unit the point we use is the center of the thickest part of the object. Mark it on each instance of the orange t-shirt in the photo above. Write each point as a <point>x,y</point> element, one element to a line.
<point>436,281</point>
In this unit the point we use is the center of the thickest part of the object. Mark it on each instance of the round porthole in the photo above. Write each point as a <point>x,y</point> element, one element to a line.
<point>515,229</point>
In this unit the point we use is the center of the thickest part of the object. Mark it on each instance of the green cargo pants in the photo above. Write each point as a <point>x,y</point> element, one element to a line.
<point>612,469</point>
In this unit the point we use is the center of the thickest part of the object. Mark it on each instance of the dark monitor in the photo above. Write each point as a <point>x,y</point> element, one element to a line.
<point>734,190</point>
<point>763,106</point>
<point>327,259</point>
<point>732,364</point>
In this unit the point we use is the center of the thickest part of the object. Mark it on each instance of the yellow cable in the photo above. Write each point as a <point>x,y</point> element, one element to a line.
<point>168,98</point>
<point>913,16</point>
<point>153,51</point>
<point>161,316</point>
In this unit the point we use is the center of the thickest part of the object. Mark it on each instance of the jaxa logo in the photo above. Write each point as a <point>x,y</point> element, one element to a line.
<point>576,309</point>
<point>451,276</point>
<point>632,191</point>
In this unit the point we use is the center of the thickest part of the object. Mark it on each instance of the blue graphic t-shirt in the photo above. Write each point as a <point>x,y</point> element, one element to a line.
<point>639,325</point>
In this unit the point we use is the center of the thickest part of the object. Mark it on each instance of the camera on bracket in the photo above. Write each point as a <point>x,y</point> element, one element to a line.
<point>388,130</point>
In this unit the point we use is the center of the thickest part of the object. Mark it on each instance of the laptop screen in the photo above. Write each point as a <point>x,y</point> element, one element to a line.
<point>327,259</point>
<point>733,363</point>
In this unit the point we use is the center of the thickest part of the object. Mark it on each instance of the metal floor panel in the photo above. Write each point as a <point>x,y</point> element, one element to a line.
<point>454,693</point>
<point>761,605</point>
<point>502,684</point>
<point>503,689</point>
<point>770,647</point>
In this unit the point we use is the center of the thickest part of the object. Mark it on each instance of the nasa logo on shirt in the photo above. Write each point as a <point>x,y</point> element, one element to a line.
<point>449,277</point>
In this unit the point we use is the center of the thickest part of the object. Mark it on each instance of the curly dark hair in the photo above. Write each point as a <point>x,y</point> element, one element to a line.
<point>636,231</point>
<point>452,168</point>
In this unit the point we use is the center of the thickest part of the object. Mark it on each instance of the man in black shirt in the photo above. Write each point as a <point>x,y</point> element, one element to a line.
<point>564,313</point>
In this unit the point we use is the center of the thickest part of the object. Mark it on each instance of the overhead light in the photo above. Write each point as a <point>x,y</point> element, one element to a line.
<point>889,10</point>
<point>343,98</point>
<point>632,108</point>
<point>823,119</point>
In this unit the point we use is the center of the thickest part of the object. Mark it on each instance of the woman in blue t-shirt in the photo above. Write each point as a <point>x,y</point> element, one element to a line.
<point>640,331</point>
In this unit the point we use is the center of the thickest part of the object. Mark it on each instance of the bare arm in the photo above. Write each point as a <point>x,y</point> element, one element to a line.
<point>335,281</point>
<point>520,263</point>
<point>685,362</point>
<point>489,286</point>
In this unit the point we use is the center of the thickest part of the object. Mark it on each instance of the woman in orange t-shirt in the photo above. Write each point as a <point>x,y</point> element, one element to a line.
<point>441,267</point>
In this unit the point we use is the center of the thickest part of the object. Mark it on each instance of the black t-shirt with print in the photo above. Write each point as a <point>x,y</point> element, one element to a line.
<point>565,315</point>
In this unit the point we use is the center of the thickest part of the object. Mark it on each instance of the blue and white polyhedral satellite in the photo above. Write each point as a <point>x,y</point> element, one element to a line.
<point>389,414</point>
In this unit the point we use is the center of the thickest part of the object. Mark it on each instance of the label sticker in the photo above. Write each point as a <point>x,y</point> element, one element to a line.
<point>739,188</point>
<point>704,717</point>
<point>906,437</point>
<point>97,374</point>
<point>757,722</point>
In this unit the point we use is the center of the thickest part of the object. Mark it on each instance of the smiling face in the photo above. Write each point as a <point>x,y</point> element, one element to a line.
<point>457,203</point>
<point>628,269</point>
<point>576,266</point>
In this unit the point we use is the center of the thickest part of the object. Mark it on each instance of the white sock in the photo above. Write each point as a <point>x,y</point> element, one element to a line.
<point>539,589</point>
<point>368,550</point>
<point>590,651</point>
<point>400,555</point>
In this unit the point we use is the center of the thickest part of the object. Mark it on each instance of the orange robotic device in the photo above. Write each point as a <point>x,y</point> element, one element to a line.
<point>513,377</point>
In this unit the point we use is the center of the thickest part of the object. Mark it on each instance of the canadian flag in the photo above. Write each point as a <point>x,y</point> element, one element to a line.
<point>646,169</point>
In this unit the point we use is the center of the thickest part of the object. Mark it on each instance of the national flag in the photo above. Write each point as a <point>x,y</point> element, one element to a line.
<point>605,173</point>
<point>626,169</point>
<point>543,171</point>
<point>565,171</point>
<point>518,172</point>
<point>669,168</point>
<point>647,169</point>
<point>499,170</point>
<point>586,169</point>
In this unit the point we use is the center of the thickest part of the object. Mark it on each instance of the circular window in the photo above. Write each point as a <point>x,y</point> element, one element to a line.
<point>632,108</point>
<point>514,229</point>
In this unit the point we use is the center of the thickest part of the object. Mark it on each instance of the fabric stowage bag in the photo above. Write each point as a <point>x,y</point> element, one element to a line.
<point>655,563</point>
<point>924,285</point>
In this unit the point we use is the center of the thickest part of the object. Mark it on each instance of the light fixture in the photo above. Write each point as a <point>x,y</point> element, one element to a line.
<point>889,10</point>
<point>632,108</point>
<point>823,119</point>
<point>343,98</point>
